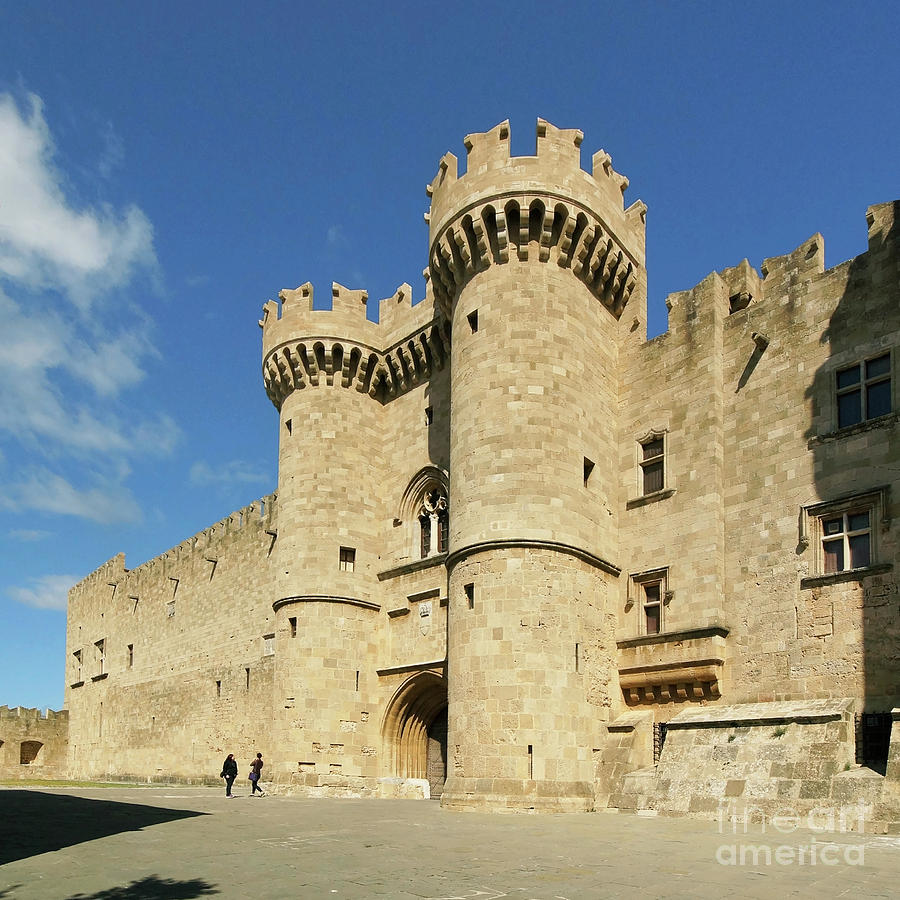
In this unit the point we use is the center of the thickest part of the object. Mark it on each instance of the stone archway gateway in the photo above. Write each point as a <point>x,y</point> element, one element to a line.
<point>415,730</point>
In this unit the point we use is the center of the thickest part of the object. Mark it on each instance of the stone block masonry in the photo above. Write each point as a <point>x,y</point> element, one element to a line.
<point>524,557</point>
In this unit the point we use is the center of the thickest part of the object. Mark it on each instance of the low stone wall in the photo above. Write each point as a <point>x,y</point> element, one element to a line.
<point>33,743</point>
<point>310,784</point>
<point>755,761</point>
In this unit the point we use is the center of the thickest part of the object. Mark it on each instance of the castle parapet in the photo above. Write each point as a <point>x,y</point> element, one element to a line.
<point>547,205</point>
<point>304,347</point>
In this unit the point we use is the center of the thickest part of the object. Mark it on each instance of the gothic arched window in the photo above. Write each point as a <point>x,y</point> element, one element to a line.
<point>434,523</point>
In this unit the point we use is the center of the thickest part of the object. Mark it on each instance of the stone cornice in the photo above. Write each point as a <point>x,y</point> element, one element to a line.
<point>592,559</point>
<point>325,598</point>
<point>382,374</point>
<point>555,227</point>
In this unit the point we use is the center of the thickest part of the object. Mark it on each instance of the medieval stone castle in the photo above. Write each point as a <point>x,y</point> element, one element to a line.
<point>520,556</point>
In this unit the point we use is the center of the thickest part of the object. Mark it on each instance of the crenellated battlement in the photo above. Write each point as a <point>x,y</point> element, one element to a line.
<point>20,713</point>
<point>305,347</point>
<point>260,514</point>
<point>544,207</point>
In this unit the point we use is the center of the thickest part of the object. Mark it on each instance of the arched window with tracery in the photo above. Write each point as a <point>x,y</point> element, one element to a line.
<point>434,522</point>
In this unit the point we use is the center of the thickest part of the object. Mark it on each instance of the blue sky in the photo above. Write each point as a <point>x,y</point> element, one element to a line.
<point>165,168</point>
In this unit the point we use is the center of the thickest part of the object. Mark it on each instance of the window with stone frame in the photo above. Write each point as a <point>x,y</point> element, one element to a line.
<point>652,450</point>
<point>434,523</point>
<point>347,562</point>
<point>649,592</point>
<point>863,390</point>
<point>100,647</point>
<point>76,667</point>
<point>844,532</point>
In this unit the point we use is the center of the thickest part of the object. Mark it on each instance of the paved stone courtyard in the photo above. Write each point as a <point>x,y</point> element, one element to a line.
<point>149,843</point>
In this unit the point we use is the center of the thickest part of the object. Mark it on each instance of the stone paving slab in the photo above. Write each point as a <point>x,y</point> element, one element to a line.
<point>167,843</point>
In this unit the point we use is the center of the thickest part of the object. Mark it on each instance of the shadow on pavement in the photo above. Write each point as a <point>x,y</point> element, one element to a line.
<point>153,888</point>
<point>34,822</point>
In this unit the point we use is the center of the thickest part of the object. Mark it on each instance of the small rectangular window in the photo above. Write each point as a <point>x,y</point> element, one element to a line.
<point>652,470</point>
<point>347,559</point>
<point>292,622</point>
<point>76,661</point>
<point>429,415</point>
<point>652,608</point>
<point>472,319</point>
<point>247,678</point>
<point>218,688</point>
<point>650,594</point>
<point>470,595</point>
<point>863,390</point>
<point>170,609</point>
<point>101,656</point>
<point>268,645</point>
<point>588,468</point>
<point>131,656</point>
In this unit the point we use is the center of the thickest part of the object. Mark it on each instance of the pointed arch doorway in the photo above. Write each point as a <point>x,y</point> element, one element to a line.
<point>415,730</point>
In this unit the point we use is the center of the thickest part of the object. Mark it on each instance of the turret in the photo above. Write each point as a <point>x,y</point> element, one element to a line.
<point>320,370</point>
<point>533,261</point>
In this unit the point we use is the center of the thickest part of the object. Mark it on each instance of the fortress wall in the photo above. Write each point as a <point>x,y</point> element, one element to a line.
<point>537,388</point>
<point>670,387</point>
<point>33,742</point>
<point>412,446</point>
<point>157,709</point>
<point>415,617</point>
<point>326,690</point>
<point>801,635</point>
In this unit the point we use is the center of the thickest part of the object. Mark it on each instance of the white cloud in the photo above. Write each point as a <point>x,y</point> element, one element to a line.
<point>234,472</point>
<point>70,349</point>
<point>46,592</point>
<point>46,242</point>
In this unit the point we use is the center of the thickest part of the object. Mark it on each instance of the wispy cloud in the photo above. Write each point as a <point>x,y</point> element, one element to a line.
<point>28,534</point>
<point>46,592</point>
<point>70,349</point>
<point>40,489</point>
<point>228,473</point>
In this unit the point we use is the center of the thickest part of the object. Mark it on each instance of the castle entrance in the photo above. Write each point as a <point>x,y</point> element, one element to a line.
<point>436,763</point>
<point>415,730</point>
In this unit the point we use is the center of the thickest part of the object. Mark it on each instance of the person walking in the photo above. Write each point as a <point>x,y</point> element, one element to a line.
<point>229,773</point>
<point>255,768</point>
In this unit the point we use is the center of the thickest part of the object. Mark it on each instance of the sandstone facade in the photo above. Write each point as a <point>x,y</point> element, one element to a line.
<point>512,538</point>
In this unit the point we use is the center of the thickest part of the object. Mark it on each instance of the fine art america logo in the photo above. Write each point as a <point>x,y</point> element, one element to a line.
<point>808,847</point>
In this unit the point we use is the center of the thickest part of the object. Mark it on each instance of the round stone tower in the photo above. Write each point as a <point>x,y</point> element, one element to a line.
<point>318,367</point>
<point>532,260</point>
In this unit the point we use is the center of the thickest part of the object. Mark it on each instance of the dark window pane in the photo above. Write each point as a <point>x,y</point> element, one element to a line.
<point>878,399</point>
<point>859,551</point>
<point>426,535</point>
<point>443,532</point>
<point>879,366</point>
<point>651,614</point>
<point>849,409</point>
<point>653,448</point>
<point>833,526</point>
<point>857,521</point>
<point>651,592</point>
<point>847,377</point>
<point>653,477</point>
<point>834,556</point>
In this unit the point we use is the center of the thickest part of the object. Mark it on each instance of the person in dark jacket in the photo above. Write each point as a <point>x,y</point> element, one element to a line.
<point>255,767</point>
<point>229,773</point>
